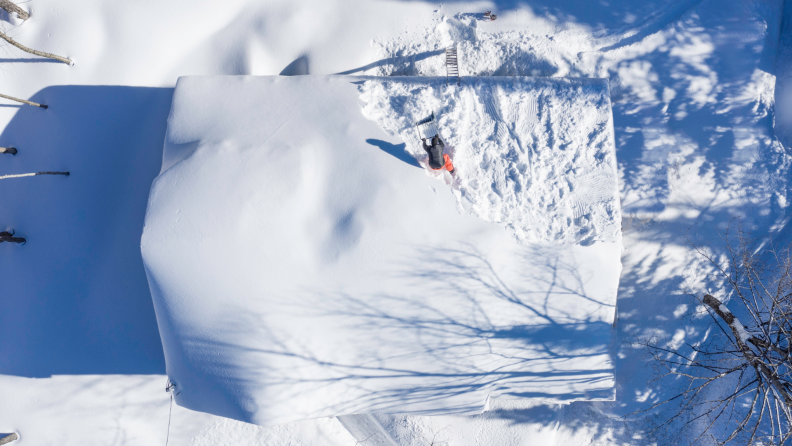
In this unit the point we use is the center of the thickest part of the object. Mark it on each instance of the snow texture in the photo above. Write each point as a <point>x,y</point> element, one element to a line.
<point>301,266</point>
<point>536,155</point>
<point>696,88</point>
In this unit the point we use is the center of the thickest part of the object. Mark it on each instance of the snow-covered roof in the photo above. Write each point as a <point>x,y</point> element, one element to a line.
<point>303,263</point>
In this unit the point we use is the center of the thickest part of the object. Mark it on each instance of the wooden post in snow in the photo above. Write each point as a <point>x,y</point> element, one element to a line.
<point>11,8</point>
<point>24,101</point>
<point>36,52</point>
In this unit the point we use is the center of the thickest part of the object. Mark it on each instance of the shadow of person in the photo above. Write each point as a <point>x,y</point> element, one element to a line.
<point>396,150</point>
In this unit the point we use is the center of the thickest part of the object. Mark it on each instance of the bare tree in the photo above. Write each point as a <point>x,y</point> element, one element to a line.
<point>736,384</point>
<point>11,8</point>
<point>36,52</point>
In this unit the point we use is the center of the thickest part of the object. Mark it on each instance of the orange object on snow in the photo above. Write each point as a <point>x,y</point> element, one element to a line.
<point>449,166</point>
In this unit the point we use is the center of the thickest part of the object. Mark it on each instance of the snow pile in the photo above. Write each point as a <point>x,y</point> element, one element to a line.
<point>302,266</point>
<point>692,91</point>
<point>485,49</point>
<point>536,155</point>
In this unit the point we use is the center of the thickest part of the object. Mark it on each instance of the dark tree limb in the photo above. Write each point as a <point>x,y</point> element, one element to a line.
<point>742,337</point>
<point>6,236</point>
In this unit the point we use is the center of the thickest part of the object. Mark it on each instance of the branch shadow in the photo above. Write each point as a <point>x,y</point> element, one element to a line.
<point>29,60</point>
<point>464,333</point>
<point>393,61</point>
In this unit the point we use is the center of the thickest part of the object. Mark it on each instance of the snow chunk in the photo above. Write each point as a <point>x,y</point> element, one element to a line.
<point>301,266</point>
<point>536,155</point>
<point>452,30</point>
<point>738,326</point>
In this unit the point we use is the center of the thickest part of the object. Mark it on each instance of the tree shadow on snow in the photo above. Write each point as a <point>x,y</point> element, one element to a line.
<point>75,297</point>
<point>613,15</point>
<point>447,321</point>
<point>396,61</point>
<point>681,114</point>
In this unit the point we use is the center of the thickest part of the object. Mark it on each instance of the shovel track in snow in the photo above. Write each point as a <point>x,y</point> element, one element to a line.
<point>521,147</point>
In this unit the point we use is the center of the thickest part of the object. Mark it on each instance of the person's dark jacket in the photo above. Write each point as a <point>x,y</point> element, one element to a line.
<point>435,152</point>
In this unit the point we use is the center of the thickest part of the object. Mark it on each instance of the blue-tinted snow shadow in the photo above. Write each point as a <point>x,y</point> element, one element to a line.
<point>598,15</point>
<point>663,126</point>
<point>75,297</point>
<point>546,358</point>
<point>29,60</point>
<point>396,150</point>
<point>410,62</point>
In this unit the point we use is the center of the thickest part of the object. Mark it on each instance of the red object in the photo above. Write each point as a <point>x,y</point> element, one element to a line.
<point>448,165</point>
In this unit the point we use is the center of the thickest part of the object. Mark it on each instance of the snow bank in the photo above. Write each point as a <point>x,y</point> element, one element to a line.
<point>536,155</point>
<point>301,266</point>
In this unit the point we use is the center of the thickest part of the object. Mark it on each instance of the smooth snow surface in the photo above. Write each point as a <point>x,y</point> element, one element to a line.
<point>302,267</point>
<point>134,410</point>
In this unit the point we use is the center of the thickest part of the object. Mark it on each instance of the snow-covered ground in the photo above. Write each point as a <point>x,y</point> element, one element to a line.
<point>693,93</point>
<point>301,265</point>
<point>534,154</point>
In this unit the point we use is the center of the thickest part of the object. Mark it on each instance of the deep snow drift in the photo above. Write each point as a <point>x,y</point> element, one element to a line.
<point>302,266</point>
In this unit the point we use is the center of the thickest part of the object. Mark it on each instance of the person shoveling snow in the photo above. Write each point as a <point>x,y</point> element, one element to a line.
<point>428,129</point>
<point>437,159</point>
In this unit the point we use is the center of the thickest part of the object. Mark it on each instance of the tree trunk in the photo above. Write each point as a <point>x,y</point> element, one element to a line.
<point>742,338</point>
<point>36,52</point>
<point>24,101</point>
<point>9,438</point>
<point>11,8</point>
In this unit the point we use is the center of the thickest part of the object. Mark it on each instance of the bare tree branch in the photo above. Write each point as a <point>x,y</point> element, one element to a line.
<point>20,175</point>
<point>24,101</point>
<point>753,356</point>
<point>12,8</point>
<point>36,52</point>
